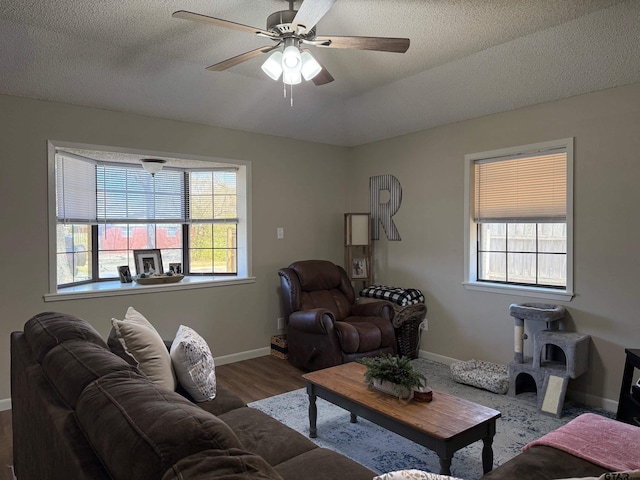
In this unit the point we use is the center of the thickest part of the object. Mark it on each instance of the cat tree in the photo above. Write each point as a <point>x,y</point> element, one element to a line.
<point>550,375</point>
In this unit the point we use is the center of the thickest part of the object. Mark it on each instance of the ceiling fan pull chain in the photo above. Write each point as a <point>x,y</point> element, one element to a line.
<point>291,94</point>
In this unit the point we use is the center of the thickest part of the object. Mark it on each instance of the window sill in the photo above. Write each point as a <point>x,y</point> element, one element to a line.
<point>115,288</point>
<point>545,293</point>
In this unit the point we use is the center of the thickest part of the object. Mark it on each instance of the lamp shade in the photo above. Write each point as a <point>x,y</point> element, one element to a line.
<point>310,67</point>
<point>357,229</point>
<point>273,65</point>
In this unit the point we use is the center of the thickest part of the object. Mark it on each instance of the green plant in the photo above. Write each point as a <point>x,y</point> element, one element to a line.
<point>393,369</point>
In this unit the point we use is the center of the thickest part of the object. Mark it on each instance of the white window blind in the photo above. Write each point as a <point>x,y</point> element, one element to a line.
<point>127,194</point>
<point>524,188</point>
<point>75,189</point>
<point>213,196</point>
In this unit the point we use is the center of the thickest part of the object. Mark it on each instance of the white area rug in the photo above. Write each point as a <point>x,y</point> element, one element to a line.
<point>383,451</point>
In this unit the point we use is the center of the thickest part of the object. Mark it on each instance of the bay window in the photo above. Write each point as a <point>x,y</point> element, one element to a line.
<point>107,206</point>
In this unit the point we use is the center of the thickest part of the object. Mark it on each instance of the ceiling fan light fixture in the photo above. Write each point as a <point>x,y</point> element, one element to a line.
<point>292,78</point>
<point>291,28</point>
<point>310,66</point>
<point>291,59</point>
<point>152,165</point>
<point>273,65</point>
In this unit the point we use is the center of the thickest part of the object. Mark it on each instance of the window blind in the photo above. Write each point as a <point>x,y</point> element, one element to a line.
<point>213,196</point>
<point>525,188</point>
<point>75,189</point>
<point>127,194</point>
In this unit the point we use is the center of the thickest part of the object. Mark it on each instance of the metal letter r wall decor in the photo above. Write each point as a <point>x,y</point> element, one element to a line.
<point>382,213</point>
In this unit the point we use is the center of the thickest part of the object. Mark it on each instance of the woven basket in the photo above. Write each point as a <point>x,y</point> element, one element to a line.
<point>407,321</point>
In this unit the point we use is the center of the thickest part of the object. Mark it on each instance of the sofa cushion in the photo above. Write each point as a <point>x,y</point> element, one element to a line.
<point>369,335</point>
<point>74,364</point>
<point>364,334</point>
<point>140,430</point>
<point>193,364</point>
<point>224,402</point>
<point>265,436</point>
<point>136,337</point>
<point>48,329</point>
<point>230,464</point>
<point>320,464</point>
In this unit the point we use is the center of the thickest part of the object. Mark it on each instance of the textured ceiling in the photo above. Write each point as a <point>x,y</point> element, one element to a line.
<point>467,58</point>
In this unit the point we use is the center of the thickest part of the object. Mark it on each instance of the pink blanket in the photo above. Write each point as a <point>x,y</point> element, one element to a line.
<point>611,444</point>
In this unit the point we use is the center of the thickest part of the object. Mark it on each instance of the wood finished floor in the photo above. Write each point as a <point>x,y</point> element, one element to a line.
<point>6,445</point>
<point>251,380</point>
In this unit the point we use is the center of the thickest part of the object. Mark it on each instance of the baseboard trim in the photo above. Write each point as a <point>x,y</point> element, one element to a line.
<point>593,401</point>
<point>437,357</point>
<point>5,404</point>
<point>581,397</point>
<point>238,357</point>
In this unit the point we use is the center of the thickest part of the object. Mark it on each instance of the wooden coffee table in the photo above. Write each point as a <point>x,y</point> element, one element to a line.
<point>444,425</point>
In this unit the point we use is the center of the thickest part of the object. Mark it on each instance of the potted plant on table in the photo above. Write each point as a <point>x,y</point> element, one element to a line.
<point>393,374</point>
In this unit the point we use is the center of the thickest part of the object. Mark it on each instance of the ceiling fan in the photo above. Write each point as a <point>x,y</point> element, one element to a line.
<point>293,29</point>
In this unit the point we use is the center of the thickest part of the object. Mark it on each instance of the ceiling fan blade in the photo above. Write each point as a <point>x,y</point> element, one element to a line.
<point>309,14</point>
<point>232,62</point>
<point>196,17</point>
<point>380,44</point>
<point>323,77</point>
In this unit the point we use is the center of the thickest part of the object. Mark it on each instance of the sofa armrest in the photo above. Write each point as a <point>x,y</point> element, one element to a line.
<point>311,321</point>
<point>544,463</point>
<point>382,309</point>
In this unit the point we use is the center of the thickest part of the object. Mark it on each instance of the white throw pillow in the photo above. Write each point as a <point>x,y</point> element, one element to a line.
<point>139,339</point>
<point>193,364</point>
<point>413,475</point>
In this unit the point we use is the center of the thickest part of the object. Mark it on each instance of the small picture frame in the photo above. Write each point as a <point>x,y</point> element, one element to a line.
<point>125,274</point>
<point>148,261</point>
<point>175,268</point>
<point>359,268</point>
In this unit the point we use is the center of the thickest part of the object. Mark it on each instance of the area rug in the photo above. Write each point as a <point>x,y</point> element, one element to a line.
<point>383,451</point>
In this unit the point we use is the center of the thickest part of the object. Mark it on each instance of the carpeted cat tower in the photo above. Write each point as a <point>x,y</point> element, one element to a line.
<point>558,355</point>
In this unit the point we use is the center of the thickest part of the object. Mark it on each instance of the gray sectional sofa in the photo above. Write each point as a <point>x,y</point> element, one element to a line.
<point>82,412</point>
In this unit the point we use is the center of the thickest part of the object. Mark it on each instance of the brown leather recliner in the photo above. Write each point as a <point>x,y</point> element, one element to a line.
<point>324,325</point>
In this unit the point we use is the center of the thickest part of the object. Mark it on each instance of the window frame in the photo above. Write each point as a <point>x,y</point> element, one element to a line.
<point>470,280</point>
<point>98,288</point>
<point>537,253</point>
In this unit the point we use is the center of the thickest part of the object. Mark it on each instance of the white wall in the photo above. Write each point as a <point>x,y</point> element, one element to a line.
<point>300,186</point>
<point>306,188</point>
<point>466,324</point>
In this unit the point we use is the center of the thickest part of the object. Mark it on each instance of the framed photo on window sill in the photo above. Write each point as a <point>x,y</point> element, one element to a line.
<point>148,261</point>
<point>125,274</point>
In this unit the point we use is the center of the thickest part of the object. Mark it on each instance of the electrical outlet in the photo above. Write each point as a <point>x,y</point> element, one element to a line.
<point>280,233</point>
<point>280,322</point>
<point>424,325</point>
